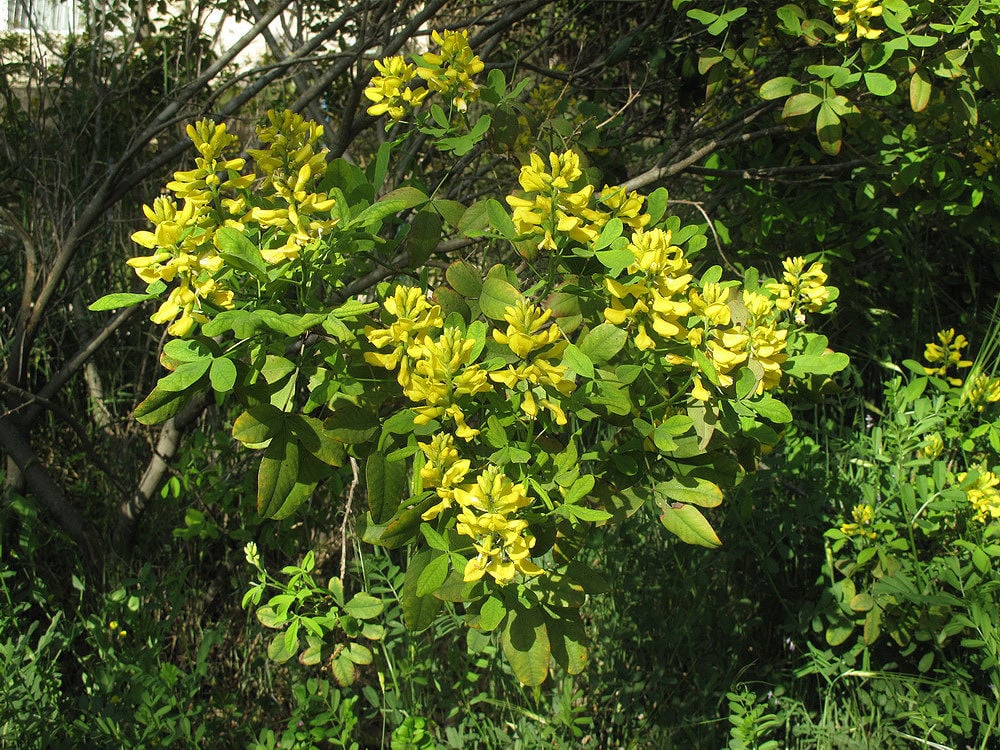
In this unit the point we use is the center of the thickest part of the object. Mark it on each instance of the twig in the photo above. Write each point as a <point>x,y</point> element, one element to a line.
<point>718,245</point>
<point>352,488</point>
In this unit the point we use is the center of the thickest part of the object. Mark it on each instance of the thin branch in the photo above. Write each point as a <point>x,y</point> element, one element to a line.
<point>44,488</point>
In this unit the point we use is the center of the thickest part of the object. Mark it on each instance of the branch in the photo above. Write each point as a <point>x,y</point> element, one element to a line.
<point>41,485</point>
<point>166,447</point>
<point>656,174</point>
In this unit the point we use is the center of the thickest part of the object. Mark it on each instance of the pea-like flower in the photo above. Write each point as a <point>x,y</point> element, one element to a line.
<point>415,319</point>
<point>984,495</point>
<point>801,288</point>
<point>390,91</point>
<point>947,354</point>
<point>857,13</point>
<point>657,297</point>
<point>540,346</point>
<point>863,516</point>
<point>451,70</point>
<point>442,471</point>
<point>502,543</point>
<point>442,374</point>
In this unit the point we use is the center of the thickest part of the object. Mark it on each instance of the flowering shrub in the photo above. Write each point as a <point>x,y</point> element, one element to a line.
<point>916,558</point>
<point>502,416</point>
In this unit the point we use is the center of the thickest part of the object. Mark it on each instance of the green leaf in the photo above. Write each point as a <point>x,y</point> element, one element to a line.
<point>118,300</point>
<point>577,361</point>
<point>611,232</point>
<point>433,575</point>
<point>160,405</point>
<point>689,525</point>
<point>920,90</point>
<point>656,204</point>
<point>579,489</point>
<point>278,649</point>
<point>279,491</point>
<point>880,84</point>
<point>778,88</point>
<point>418,611</point>
<point>496,296</point>
<point>688,490</point>
<point>223,374</point>
<point>603,342</point>
<point>386,482</point>
<point>258,424</point>
<point>829,130</point>
<point>568,641</point>
<point>804,365</point>
<point>800,104</point>
<point>363,606</point>
<point>500,220</point>
<point>403,528</point>
<point>474,221</point>
<point>465,279</point>
<point>242,323</point>
<point>491,614</point>
<point>392,203</point>
<point>617,258</point>
<point>342,669</point>
<point>239,252</point>
<point>186,375</point>
<point>772,409</point>
<point>525,643</point>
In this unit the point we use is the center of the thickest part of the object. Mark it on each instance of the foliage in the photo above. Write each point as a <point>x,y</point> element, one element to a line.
<point>256,267</point>
<point>469,314</point>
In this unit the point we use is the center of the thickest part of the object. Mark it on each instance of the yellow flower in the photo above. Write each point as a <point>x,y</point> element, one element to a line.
<point>451,70</point>
<point>390,92</point>
<point>933,446</point>
<point>624,206</point>
<point>859,13</point>
<point>441,374</point>
<point>212,170</point>
<point>801,287</point>
<point>292,168</point>
<point>863,516</point>
<point>712,304</point>
<point>525,332</point>
<point>415,318</point>
<point>442,471</point>
<point>660,293</point>
<point>948,354</point>
<point>983,495</point>
<point>503,544</point>
<point>983,390</point>
<point>551,208</point>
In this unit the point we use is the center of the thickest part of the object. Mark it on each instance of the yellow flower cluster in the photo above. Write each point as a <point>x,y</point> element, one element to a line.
<point>659,296</point>
<point>660,305</point>
<point>983,390</point>
<point>801,289</point>
<point>988,151</point>
<point>541,348</point>
<point>449,72</point>
<point>857,13</point>
<point>287,210</point>
<point>947,354</point>
<point>551,208</point>
<point>182,236</point>
<point>984,495</point>
<point>390,91</point>
<point>434,370</point>
<point>863,516</point>
<point>443,471</point>
<point>502,543</point>
<point>292,168</point>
